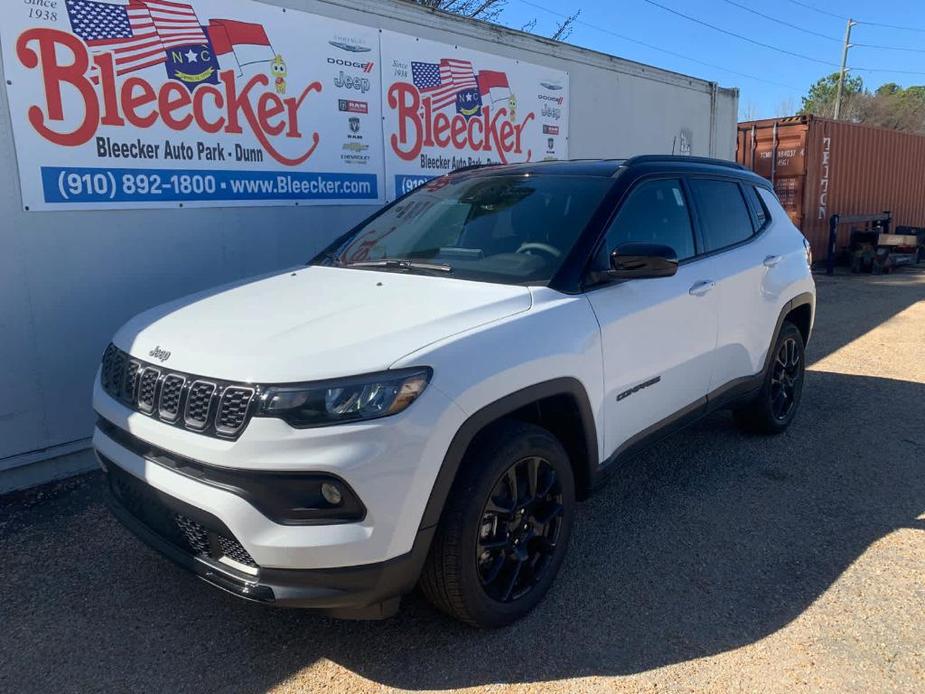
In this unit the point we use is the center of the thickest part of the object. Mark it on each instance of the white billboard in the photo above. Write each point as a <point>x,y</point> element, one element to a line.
<point>446,107</point>
<point>165,103</point>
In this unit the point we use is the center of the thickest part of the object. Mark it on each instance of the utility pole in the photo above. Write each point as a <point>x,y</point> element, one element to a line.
<point>844,67</point>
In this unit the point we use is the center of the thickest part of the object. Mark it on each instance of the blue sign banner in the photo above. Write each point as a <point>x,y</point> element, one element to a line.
<point>99,185</point>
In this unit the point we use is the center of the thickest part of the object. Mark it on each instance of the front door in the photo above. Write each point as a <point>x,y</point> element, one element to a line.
<point>658,335</point>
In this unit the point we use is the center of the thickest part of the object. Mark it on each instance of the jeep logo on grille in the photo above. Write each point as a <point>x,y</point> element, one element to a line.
<point>161,355</point>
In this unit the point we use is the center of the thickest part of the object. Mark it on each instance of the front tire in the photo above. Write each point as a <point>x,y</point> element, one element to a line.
<point>505,527</point>
<point>775,406</point>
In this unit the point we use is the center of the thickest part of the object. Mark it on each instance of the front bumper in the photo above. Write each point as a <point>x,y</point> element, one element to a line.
<point>370,591</point>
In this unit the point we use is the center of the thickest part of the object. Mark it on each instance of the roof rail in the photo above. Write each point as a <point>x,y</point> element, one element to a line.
<point>682,159</point>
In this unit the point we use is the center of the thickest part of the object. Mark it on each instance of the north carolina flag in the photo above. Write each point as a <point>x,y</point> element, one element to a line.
<point>246,42</point>
<point>493,85</point>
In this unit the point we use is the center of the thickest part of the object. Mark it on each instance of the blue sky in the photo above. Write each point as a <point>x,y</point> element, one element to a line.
<point>602,21</point>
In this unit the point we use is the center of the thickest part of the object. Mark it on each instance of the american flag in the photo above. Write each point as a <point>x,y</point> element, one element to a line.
<point>176,23</point>
<point>443,81</point>
<point>127,31</point>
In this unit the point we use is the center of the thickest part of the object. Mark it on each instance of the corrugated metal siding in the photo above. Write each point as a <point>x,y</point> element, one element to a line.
<point>847,169</point>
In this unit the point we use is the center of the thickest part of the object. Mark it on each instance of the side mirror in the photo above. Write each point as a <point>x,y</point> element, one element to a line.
<point>633,261</point>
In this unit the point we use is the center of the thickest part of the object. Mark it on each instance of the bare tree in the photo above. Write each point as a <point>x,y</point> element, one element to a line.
<point>565,28</point>
<point>487,10</point>
<point>749,111</point>
<point>786,107</point>
<point>490,11</point>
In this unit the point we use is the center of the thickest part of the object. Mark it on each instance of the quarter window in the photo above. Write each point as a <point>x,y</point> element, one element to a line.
<point>655,212</point>
<point>724,217</point>
<point>761,212</point>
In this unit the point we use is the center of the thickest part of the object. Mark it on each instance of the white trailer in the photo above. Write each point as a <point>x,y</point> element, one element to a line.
<point>69,279</point>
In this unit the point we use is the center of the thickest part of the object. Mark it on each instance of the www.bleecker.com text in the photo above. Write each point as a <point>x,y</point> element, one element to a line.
<point>107,148</point>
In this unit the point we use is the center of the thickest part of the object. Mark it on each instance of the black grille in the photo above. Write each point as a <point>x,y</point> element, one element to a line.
<point>171,391</point>
<point>208,406</point>
<point>147,389</point>
<point>197,537</point>
<point>154,510</point>
<point>232,413</point>
<point>232,549</point>
<point>198,404</point>
<point>131,381</point>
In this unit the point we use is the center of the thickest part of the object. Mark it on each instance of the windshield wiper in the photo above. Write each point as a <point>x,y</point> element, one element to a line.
<point>402,264</point>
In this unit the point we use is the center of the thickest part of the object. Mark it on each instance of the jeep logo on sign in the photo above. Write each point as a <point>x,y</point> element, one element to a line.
<point>161,355</point>
<point>361,84</point>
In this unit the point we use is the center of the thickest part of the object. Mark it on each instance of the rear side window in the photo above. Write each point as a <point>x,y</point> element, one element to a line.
<point>655,212</point>
<point>724,217</point>
<point>757,204</point>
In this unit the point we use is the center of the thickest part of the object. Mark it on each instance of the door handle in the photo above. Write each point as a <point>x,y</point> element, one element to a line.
<point>772,260</point>
<point>702,287</point>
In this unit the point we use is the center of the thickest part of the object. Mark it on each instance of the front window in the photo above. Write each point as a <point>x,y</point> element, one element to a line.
<point>511,229</point>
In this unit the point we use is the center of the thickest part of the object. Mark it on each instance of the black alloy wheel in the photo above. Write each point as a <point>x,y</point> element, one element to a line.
<point>786,377</point>
<point>505,526</point>
<point>519,530</point>
<point>772,410</point>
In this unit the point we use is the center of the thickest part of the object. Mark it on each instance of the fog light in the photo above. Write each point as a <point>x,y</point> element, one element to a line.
<point>331,493</point>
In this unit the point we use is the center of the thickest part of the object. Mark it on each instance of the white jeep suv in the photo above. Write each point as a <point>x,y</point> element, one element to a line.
<point>426,400</point>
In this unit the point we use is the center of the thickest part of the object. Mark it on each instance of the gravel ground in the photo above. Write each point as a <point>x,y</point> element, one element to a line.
<point>716,561</point>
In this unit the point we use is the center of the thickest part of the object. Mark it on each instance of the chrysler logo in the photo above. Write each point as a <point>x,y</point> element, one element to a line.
<point>161,355</point>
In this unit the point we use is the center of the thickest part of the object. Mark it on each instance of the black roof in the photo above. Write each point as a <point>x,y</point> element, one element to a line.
<point>607,167</point>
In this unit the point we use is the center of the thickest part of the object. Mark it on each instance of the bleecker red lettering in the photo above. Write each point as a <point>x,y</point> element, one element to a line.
<point>131,102</point>
<point>473,122</point>
<point>458,132</point>
<point>441,125</point>
<point>404,98</point>
<point>50,49</point>
<point>269,106</point>
<point>199,111</point>
<point>110,104</point>
<point>54,75</point>
<point>168,105</point>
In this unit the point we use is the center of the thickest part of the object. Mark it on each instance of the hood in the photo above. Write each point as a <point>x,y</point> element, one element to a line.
<point>313,323</point>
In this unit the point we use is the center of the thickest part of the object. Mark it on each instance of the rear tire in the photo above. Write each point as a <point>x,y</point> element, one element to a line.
<point>775,406</point>
<point>505,527</point>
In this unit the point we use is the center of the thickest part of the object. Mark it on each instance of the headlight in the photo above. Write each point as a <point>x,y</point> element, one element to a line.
<point>344,400</point>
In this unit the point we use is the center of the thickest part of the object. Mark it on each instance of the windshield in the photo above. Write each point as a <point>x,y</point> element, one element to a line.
<point>512,229</point>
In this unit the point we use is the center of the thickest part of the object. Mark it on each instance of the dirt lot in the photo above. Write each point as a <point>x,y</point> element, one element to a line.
<point>716,561</point>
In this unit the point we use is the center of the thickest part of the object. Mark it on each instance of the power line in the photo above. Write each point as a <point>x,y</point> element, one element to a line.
<point>816,9</point>
<point>740,36</point>
<point>781,21</point>
<point>658,48</point>
<point>859,21</point>
<point>777,48</point>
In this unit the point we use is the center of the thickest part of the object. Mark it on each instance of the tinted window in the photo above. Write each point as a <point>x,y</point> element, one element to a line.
<point>655,212</point>
<point>761,212</point>
<point>724,217</point>
<point>492,228</point>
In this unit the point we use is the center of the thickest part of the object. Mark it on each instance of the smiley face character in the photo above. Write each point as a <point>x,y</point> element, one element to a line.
<point>278,72</point>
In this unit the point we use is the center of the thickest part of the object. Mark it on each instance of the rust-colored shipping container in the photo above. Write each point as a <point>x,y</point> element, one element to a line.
<point>820,167</point>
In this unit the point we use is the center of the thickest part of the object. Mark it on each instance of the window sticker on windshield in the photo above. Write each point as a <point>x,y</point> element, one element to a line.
<point>678,197</point>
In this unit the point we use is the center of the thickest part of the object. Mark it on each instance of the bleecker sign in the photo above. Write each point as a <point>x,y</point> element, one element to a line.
<point>146,103</point>
<point>227,108</point>
<point>446,107</point>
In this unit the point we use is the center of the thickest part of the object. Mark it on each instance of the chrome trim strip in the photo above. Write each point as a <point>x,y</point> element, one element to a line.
<point>162,414</point>
<point>221,402</point>
<point>195,424</point>
<point>143,407</point>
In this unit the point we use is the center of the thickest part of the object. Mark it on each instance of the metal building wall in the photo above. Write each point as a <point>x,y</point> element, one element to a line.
<point>68,280</point>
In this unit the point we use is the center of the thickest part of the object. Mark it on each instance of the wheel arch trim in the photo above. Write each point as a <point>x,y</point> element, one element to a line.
<point>497,410</point>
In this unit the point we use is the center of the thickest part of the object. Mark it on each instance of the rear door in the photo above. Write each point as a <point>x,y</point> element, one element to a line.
<point>733,223</point>
<point>658,335</point>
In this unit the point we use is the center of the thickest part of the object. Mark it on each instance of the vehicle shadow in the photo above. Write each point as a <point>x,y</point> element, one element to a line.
<point>709,541</point>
